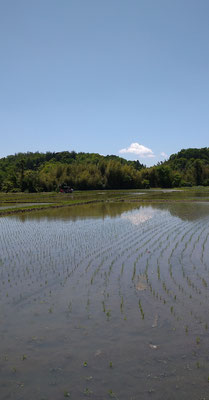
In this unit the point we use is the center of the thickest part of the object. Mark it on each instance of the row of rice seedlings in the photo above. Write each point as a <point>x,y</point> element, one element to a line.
<point>149,257</point>
<point>119,246</point>
<point>146,274</point>
<point>155,294</point>
<point>196,241</point>
<point>154,250</point>
<point>110,265</point>
<point>198,291</point>
<point>170,272</point>
<point>145,251</point>
<point>109,248</point>
<point>204,253</point>
<point>195,229</point>
<point>42,271</point>
<point>109,269</point>
<point>115,259</point>
<point>146,238</point>
<point>151,247</point>
<point>96,270</point>
<point>174,250</point>
<point>153,271</point>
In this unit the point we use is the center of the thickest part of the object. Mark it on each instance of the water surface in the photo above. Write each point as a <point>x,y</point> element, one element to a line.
<point>4,206</point>
<point>105,301</point>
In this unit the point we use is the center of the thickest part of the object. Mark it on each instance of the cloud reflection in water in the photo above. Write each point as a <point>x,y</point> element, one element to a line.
<point>140,216</point>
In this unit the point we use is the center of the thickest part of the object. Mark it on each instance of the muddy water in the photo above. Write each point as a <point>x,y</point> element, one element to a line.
<point>105,301</point>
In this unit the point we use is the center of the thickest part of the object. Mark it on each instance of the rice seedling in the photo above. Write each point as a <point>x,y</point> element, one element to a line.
<point>158,272</point>
<point>121,305</point>
<point>112,394</point>
<point>141,310</point>
<point>103,306</point>
<point>89,378</point>
<point>70,307</point>
<point>87,392</point>
<point>66,394</point>
<point>122,269</point>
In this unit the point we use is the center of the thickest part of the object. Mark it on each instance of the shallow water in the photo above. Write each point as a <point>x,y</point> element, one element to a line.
<point>4,206</point>
<point>105,301</point>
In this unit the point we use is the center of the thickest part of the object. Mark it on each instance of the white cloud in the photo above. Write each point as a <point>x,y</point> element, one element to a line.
<point>139,150</point>
<point>164,155</point>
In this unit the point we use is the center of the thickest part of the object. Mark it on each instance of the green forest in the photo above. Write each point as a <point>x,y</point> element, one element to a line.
<point>44,172</point>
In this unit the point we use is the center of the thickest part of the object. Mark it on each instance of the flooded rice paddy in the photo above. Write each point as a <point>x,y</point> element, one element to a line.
<point>19,205</point>
<point>105,301</point>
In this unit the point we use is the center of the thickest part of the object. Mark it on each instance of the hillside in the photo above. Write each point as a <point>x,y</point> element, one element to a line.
<point>47,171</point>
<point>193,164</point>
<point>35,172</point>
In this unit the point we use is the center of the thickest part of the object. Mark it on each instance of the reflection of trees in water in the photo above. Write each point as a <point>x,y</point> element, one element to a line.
<point>73,213</point>
<point>185,211</point>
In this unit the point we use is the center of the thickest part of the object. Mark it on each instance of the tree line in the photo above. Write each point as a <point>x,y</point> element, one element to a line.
<point>36,172</point>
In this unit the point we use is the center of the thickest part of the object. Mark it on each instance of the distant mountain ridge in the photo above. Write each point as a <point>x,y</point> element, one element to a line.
<point>48,171</point>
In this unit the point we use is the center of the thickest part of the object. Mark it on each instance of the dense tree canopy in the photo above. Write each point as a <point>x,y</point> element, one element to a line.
<point>35,172</point>
<point>193,165</point>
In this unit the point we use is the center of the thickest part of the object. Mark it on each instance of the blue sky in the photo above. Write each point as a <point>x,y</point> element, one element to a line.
<point>129,78</point>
